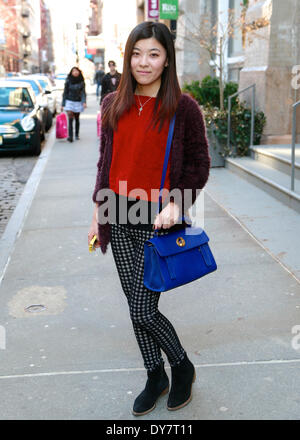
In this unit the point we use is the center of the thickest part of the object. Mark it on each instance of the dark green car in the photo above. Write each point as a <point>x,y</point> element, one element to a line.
<point>21,127</point>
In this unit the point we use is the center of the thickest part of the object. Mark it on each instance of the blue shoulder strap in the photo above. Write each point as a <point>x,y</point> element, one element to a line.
<point>167,154</point>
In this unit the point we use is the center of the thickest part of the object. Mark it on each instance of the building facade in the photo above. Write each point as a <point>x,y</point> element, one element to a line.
<point>9,41</point>
<point>46,58</point>
<point>261,46</point>
<point>271,52</point>
<point>30,26</point>
<point>20,29</point>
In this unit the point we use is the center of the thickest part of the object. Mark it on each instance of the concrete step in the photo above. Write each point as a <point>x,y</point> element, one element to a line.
<point>273,181</point>
<point>277,156</point>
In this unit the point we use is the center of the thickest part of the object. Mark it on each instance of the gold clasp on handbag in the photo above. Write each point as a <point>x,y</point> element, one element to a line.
<point>180,241</point>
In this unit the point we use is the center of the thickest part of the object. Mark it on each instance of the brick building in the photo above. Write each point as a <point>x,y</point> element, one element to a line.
<point>9,41</point>
<point>45,43</point>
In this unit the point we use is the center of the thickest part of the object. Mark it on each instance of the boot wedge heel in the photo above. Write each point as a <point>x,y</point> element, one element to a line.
<point>183,377</point>
<point>153,407</point>
<point>157,385</point>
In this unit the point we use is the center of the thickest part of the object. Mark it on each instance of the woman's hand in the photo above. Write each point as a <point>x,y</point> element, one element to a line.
<point>84,105</point>
<point>94,229</point>
<point>167,217</point>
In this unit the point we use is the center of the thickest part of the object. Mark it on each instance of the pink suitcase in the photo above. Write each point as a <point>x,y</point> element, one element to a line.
<point>61,126</point>
<point>98,123</point>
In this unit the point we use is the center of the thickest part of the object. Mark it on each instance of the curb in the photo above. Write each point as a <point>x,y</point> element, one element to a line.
<point>15,225</point>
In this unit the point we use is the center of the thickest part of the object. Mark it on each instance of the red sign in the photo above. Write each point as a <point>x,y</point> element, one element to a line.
<point>91,51</point>
<point>153,9</point>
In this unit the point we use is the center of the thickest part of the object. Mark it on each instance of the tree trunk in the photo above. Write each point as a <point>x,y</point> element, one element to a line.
<point>221,75</point>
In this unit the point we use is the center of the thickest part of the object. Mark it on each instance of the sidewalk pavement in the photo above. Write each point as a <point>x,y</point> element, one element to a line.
<point>73,354</point>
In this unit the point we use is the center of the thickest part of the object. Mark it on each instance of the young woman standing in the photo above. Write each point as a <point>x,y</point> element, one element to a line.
<point>135,123</point>
<point>74,100</point>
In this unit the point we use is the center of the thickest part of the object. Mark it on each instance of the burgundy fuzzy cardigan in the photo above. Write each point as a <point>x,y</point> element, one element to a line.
<point>189,158</point>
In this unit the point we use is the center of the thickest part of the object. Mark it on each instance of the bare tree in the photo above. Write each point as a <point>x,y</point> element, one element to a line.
<point>214,37</point>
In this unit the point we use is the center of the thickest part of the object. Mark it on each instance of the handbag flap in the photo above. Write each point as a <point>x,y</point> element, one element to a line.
<point>179,241</point>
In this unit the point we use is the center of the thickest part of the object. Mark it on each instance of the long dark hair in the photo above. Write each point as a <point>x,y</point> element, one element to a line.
<point>74,79</point>
<point>169,93</point>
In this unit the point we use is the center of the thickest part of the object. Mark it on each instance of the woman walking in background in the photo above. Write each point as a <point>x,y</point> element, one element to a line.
<point>74,100</point>
<point>135,124</point>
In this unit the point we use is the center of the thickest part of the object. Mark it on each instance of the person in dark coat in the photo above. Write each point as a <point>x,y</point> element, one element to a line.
<point>98,79</point>
<point>74,100</point>
<point>135,123</point>
<point>110,81</point>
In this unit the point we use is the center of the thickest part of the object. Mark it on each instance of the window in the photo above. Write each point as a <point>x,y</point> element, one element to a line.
<point>234,74</point>
<point>235,43</point>
<point>214,22</point>
<point>15,97</point>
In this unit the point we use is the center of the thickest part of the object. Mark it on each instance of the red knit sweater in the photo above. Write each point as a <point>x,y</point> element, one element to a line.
<point>189,161</point>
<point>138,153</point>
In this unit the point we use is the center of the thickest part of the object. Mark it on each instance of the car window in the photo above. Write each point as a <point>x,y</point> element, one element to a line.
<point>32,82</point>
<point>34,86</point>
<point>26,99</point>
<point>43,83</point>
<point>15,97</point>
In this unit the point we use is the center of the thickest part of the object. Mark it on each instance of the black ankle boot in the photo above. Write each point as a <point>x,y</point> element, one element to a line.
<point>157,385</point>
<point>183,376</point>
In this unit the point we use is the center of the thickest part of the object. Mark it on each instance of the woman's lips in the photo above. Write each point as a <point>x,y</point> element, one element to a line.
<point>141,72</point>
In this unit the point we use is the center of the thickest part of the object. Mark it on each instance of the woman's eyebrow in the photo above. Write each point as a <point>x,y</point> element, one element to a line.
<point>154,48</point>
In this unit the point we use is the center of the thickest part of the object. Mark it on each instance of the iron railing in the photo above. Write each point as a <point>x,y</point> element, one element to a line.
<point>252,115</point>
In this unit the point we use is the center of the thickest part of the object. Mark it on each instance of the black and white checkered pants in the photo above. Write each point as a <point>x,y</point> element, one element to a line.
<point>153,331</point>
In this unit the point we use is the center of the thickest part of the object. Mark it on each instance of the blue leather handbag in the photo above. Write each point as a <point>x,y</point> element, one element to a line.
<point>179,257</point>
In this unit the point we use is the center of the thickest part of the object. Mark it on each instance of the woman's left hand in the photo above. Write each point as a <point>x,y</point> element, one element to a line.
<point>84,104</point>
<point>167,217</point>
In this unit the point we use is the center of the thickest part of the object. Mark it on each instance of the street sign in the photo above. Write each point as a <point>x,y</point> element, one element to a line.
<point>168,9</point>
<point>153,9</point>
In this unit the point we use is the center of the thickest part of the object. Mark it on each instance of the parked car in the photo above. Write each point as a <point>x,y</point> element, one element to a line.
<point>46,85</point>
<point>21,127</point>
<point>41,97</point>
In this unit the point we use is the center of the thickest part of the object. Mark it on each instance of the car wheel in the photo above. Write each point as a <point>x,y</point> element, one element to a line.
<point>36,140</point>
<point>49,120</point>
<point>42,131</point>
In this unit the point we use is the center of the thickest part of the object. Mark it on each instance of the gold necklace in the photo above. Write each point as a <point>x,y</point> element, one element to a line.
<point>142,105</point>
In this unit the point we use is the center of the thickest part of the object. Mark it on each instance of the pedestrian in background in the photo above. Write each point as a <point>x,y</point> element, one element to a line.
<point>74,100</point>
<point>98,79</point>
<point>110,81</point>
<point>135,124</point>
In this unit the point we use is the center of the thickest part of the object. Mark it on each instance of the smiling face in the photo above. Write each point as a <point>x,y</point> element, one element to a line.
<point>148,60</point>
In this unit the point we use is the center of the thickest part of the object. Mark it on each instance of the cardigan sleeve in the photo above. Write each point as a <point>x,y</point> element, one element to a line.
<point>196,159</point>
<point>99,164</point>
<point>103,141</point>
